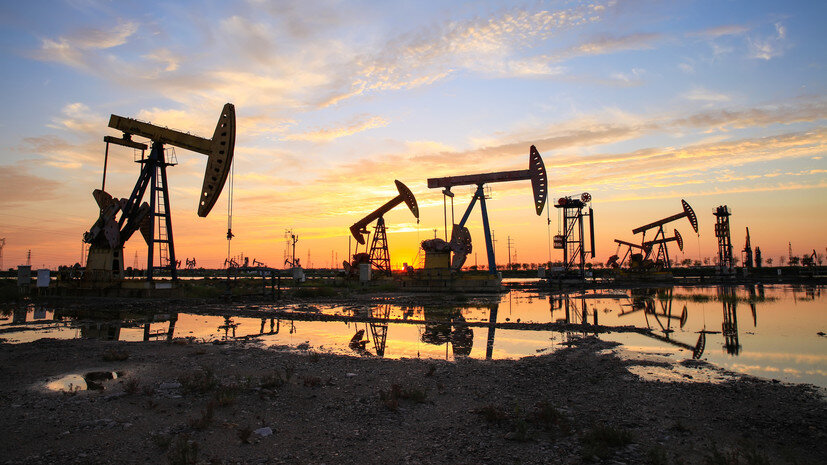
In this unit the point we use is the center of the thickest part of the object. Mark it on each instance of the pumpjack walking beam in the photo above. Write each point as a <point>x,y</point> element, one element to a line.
<point>536,172</point>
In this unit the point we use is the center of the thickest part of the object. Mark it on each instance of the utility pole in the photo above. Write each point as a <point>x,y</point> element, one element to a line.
<point>493,243</point>
<point>509,243</point>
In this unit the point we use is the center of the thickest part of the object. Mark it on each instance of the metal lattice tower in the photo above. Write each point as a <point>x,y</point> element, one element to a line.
<point>572,238</point>
<point>379,255</point>
<point>722,215</point>
<point>160,228</point>
<point>2,244</point>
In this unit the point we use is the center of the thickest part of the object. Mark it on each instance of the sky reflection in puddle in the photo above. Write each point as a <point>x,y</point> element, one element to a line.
<point>767,331</point>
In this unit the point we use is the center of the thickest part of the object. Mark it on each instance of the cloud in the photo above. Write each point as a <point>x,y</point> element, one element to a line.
<point>480,45</point>
<point>78,118</point>
<point>768,47</point>
<point>164,56</point>
<point>718,31</point>
<point>705,95</point>
<point>358,124</point>
<point>18,185</point>
<point>76,49</point>
<point>605,45</point>
<point>645,168</point>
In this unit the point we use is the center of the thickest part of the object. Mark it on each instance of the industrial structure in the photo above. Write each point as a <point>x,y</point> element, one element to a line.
<point>108,235</point>
<point>460,244</point>
<point>377,254</point>
<point>747,260</point>
<point>722,215</point>
<point>653,253</point>
<point>571,238</point>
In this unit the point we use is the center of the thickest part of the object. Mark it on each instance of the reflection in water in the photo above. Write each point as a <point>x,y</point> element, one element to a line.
<point>645,300</point>
<point>448,326</point>
<point>378,328</point>
<point>522,323</point>
<point>729,326</point>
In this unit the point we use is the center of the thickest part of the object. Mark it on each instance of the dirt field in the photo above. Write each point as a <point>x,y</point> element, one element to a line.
<point>240,403</point>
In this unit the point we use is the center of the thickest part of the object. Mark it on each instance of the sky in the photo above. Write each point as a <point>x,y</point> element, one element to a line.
<point>639,103</point>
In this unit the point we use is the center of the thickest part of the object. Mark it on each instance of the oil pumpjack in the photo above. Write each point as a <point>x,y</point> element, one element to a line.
<point>110,232</point>
<point>460,244</point>
<point>378,255</point>
<point>656,245</point>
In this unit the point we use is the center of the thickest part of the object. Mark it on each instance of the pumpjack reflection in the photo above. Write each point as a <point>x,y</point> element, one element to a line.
<point>661,320</point>
<point>108,327</point>
<point>378,329</point>
<point>448,326</point>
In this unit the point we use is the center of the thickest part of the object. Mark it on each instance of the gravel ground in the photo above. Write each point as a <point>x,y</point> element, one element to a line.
<point>184,402</point>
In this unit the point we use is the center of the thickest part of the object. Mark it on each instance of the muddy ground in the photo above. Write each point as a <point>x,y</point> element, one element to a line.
<point>186,402</point>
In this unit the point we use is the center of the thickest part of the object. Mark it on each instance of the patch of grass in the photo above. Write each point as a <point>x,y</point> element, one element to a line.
<point>735,456</point>
<point>131,385</point>
<point>244,434</point>
<point>182,451</point>
<point>309,292</point>
<point>602,440</point>
<point>656,456</point>
<point>114,355</point>
<point>278,378</point>
<point>201,423</point>
<point>199,381</point>
<point>546,416</point>
<point>492,414</point>
<point>9,291</point>
<point>520,432</point>
<point>391,397</point>
<point>203,291</point>
<point>162,440</point>
<point>312,381</point>
<point>226,394</point>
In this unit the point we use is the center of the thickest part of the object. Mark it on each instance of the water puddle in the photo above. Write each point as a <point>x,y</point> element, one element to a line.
<point>770,331</point>
<point>668,367</point>
<point>94,380</point>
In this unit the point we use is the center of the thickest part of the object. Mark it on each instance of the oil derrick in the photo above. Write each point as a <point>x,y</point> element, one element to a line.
<point>572,240</point>
<point>460,243</point>
<point>747,252</point>
<point>108,235</point>
<point>378,255</point>
<point>722,215</point>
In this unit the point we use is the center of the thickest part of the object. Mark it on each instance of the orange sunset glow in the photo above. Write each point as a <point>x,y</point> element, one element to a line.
<point>640,106</point>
